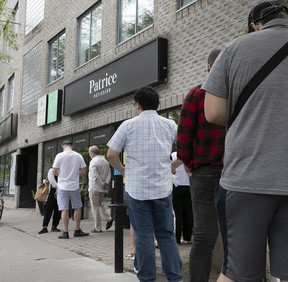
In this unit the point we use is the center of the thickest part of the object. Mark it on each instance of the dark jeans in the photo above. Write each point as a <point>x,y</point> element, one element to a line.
<point>51,207</point>
<point>182,206</point>
<point>204,182</point>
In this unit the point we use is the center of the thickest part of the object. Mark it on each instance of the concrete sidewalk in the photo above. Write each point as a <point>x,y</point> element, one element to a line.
<point>91,258</point>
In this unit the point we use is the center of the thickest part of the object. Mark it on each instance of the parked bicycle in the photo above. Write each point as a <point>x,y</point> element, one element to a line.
<point>1,201</point>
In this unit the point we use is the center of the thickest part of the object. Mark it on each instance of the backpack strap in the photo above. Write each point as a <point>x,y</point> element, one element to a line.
<point>257,79</point>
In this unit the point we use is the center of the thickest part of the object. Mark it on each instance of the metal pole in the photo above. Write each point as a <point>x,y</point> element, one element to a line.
<point>119,222</point>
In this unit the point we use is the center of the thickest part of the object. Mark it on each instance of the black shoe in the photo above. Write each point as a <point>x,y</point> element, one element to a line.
<point>55,229</point>
<point>109,224</point>
<point>80,233</point>
<point>65,235</point>
<point>44,230</point>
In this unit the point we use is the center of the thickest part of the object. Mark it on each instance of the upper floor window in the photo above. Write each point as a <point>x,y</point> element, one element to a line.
<point>135,15</point>
<point>15,19</point>
<point>10,93</point>
<point>89,34</point>
<point>1,101</point>
<point>56,57</point>
<point>34,14</point>
<point>183,3</point>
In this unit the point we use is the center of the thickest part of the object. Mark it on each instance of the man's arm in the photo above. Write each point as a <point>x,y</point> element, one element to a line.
<point>55,171</point>
<point>114,160</point>
<point>83,171</point>
<point>215,109</point>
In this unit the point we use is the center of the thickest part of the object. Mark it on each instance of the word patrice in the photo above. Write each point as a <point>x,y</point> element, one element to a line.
<point>102,83</point>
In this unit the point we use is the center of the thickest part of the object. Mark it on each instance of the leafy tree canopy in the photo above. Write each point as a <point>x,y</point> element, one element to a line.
<point>8,37</point>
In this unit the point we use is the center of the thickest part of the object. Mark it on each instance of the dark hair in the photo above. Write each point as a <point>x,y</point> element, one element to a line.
<point>275,15</point>
<point>67,142</point>
<point>213,56</point>
<point>265,12</point>
<point>147,98</point>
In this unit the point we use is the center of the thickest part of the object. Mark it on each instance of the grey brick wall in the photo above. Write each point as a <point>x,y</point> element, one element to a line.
<point>192,33</point>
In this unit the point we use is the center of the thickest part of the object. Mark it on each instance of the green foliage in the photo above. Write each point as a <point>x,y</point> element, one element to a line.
<point>7,34</point>
<point>84,190</point>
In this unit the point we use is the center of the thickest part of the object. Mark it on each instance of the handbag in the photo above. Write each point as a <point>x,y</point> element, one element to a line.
<point>42,192</point>
<point>257,79</point>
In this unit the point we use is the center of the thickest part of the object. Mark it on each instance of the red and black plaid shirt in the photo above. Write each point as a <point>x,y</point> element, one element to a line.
<point>199,143</point>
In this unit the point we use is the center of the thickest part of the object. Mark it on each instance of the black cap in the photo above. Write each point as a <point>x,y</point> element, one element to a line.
<point>263,10</point>
<point>66,142</point>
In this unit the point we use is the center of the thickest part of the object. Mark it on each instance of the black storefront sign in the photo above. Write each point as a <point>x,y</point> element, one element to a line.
<point>146,65</point>
<point>8,128</point>
<point>101,135</point>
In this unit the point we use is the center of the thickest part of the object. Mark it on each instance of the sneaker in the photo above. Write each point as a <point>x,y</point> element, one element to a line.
<point>95,231</point>
<point>43,230</point>
<point>109,224</point>
<point>135,270</point>
<point>130,256</point>
<point>80,233</point>
<point>55,229</point>
<point>65,235</point>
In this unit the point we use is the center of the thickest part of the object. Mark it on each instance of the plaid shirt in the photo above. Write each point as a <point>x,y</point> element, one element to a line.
<point>199,143</point>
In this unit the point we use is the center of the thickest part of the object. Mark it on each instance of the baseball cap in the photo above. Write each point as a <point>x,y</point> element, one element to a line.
<point>263,10</point>
<point>66,142</point>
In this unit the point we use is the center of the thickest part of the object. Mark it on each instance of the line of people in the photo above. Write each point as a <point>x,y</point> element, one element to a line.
<point>246,195</point>
<point>250,190</point>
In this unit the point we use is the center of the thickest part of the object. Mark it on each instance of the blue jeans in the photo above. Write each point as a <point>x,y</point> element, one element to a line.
<point>155,216</point>
<point>204,182</point>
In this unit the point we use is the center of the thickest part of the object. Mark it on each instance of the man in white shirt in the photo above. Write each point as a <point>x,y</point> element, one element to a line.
<point>99,178</point>
<point>147,140</point>
<point>69,165</point>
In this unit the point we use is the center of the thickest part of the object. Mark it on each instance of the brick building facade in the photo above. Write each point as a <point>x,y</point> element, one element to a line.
<point>192,29</point>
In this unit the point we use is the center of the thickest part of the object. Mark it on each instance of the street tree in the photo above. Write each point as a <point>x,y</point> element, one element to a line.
<point>8,36</point>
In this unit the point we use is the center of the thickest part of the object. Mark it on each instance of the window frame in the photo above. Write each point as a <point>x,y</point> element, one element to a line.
<point>182,6</point>
<point>10,95</point>
<point>2,89</point>
<point>79,21</point>
<point>54,39</point>
<point>15,18</point>
<point>119,33</point>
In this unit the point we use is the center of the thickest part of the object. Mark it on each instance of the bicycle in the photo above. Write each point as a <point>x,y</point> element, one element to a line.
<point>1,201</point>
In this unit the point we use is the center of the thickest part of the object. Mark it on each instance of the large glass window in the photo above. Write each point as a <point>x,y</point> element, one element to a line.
<point>183,3</point>
<point>1,101</point>
<point>5,168</point>
<point>135,15</point>
<point>89,37</point>
<point>10,94</point>
<point>56,57</point>
<point>34,14</point>
<point>14,23</point>
<point>174,115</point>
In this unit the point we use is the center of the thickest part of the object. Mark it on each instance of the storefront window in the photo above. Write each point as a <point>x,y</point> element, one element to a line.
<point>89,31</point>
<point>80,145</point>
<point>183,3</point>
<point>135,15</point>
<point>50,150</point>
<point>174,115</point>
<point>5,169</point>
<point>56,57</point>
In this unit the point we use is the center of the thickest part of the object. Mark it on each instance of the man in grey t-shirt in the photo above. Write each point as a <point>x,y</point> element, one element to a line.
<point>253,193</point>
<point>69,165</point>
